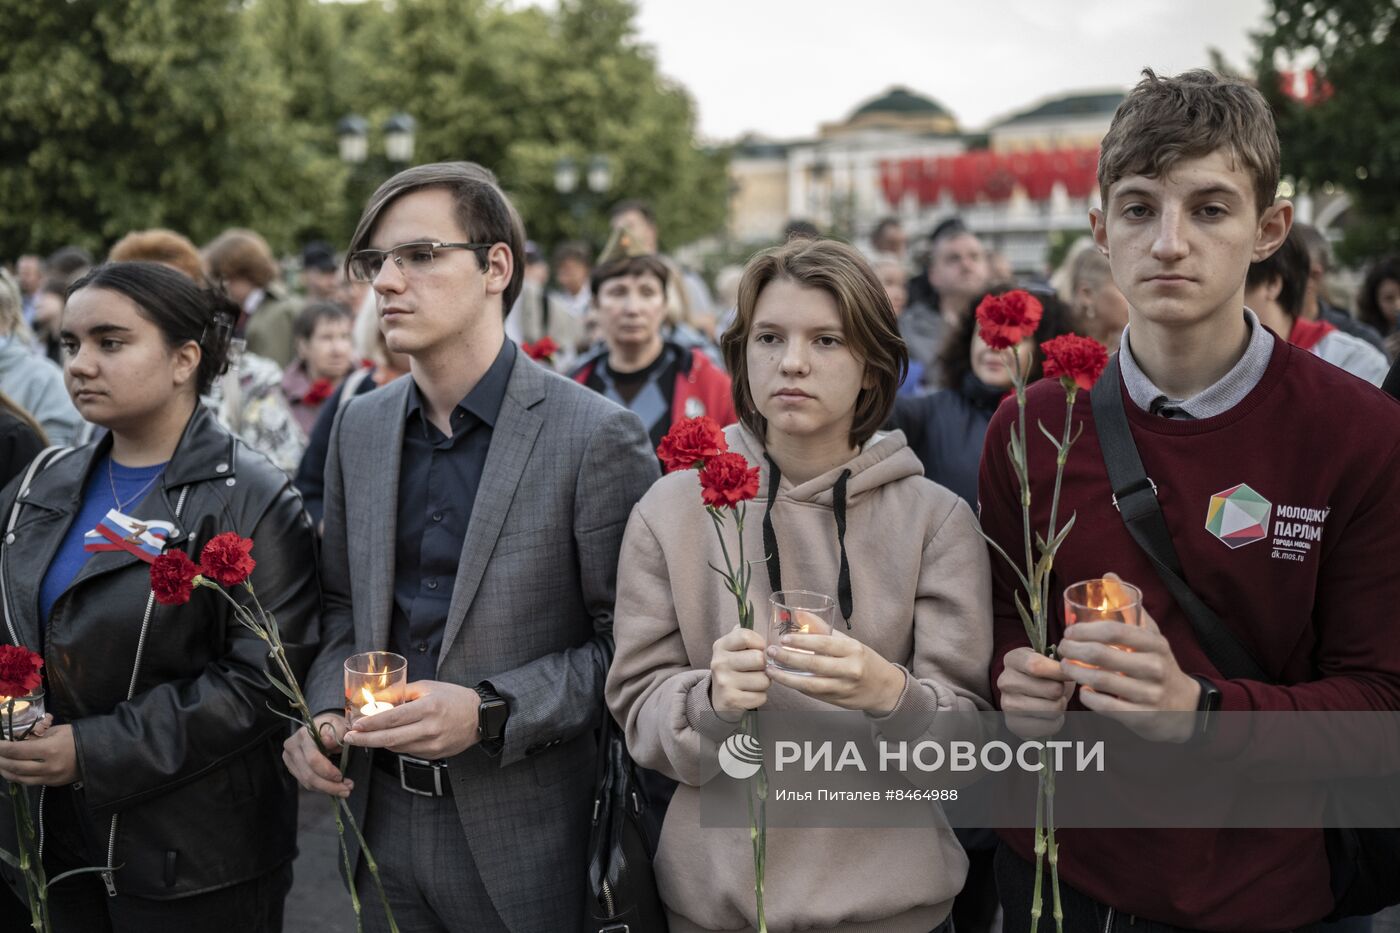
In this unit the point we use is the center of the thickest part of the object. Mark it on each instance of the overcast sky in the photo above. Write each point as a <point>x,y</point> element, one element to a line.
<point>781,67</point>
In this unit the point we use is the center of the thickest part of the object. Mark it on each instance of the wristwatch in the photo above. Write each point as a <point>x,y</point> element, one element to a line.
<point>1206,708</point>
<point>491,717</point>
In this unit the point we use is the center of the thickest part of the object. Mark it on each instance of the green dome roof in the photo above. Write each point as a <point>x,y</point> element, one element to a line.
<point>901,100</point>
<point>1072,105</point>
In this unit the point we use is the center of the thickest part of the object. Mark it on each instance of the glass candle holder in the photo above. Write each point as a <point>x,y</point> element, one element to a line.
<point>798,612</point>
<point>19,721</point>
<point>1103,600</point>
<point>375,682</point>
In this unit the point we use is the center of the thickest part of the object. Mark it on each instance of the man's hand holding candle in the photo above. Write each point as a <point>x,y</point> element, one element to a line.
<point>438,721</point>
<point>1124,684</point>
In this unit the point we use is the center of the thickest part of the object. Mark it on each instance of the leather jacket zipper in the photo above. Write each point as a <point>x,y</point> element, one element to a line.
<point>1108,924</point>
<point>107,878</point>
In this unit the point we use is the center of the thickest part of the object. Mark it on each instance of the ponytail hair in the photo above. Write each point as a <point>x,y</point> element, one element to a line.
<point>182,310</point>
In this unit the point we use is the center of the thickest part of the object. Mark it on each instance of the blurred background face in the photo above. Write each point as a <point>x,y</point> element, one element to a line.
<point>630,311</point>
<point>891,275</point>
<point>636,223</point>
<point>329,354</point>
<point>572,276</point>
<point>991,366</point>
<point>31,274</point>
<point>351,293</point>
<point>892,240</point>
<point>1105,308</point>
<point>1388,299</point>
<point>958,267</point>
<point>321,284</point>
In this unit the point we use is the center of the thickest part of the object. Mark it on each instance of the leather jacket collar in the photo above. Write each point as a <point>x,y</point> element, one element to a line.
<point>205,452</point>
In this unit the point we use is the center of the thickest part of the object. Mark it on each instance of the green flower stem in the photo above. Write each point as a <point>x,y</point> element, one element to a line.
<point>269,633</point>
<point>1039,845</point>
<point>1052,848</point>
<point>1061,456</point>
<point>756,793</point>
<point>1036,580</point>
<point>31,866</point>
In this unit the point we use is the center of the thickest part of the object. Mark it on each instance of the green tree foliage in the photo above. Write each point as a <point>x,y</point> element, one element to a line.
<point>519,89</point>
<point>1352,137</point>
<point>202,114</point>
<point>117,115</point>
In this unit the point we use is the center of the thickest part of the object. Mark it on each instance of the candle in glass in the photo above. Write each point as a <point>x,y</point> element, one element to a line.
<point>1103,600</point>
<point>798,612</point>
<point>375,682</point>
<point>27,711</point>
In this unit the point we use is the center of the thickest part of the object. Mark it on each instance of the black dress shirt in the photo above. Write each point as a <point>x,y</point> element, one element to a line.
<point>438,480</point>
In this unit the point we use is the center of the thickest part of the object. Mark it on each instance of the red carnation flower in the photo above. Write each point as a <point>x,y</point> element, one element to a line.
<point>691,441</point>
<point>1005,320</point>
<point>172,578</point>
<point>19,671</point>
<point>727,479</point>
<point>318,392</point>
<point>541,350</point>
<point>1075,360</point>
<point>226,559</point>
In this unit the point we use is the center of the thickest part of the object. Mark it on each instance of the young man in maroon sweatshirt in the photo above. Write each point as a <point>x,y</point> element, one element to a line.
<point>1220,410</point>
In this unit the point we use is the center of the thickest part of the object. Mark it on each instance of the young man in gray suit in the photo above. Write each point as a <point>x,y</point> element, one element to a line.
<point>473,516</point>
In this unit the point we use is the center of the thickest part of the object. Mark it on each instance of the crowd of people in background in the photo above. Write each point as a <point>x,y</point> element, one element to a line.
<point>302,330</point>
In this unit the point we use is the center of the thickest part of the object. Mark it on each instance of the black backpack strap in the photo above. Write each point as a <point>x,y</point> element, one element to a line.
<point>1135,497</point>
<point>1392,380</point>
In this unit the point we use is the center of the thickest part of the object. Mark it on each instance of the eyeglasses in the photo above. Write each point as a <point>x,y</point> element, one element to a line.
<point>413,259</point>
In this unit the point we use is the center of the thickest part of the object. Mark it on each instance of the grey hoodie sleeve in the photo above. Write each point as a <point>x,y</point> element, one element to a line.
<point>952,635</point>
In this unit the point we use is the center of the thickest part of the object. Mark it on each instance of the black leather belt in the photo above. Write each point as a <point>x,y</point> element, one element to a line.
<point>415,775</point>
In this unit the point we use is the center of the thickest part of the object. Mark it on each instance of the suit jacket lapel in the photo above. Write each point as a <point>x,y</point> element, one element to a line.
<point>512,439</point>
<point>380,479</point>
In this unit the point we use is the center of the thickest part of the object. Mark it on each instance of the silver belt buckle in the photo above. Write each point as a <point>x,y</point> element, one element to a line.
<point>437,776</point>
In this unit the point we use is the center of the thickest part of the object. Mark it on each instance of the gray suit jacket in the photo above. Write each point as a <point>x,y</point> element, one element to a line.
<point>531,611</point>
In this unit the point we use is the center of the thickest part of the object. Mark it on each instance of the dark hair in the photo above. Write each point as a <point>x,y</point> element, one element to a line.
<point>1319,249</point>
<point>573,249</point>
<point>867,318</point>
<point>1288,264</point>
<point>883,224</point>
<point>484,213</point>
<point>629,265</point>
<point>633,204</point>
<point>956,356</point>
<point>304,327</point>
<point>1368,306</point>
<point>952,226</point>
<point>182,311</point>
<point>67,262</point>
<point>799,229</point>
<point>1165,121</point>
<point>13,408</point>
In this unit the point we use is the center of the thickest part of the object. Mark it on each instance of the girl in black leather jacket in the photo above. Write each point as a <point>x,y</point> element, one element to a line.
<point>164,757</point>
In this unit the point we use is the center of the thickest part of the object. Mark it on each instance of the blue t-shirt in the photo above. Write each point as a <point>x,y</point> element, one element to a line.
<point>133,484</point>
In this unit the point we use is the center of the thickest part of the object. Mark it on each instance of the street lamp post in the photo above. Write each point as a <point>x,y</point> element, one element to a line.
<point>596,176</point>
<point>352,140</point>
<point>399,138</point>
<point>352,135</point>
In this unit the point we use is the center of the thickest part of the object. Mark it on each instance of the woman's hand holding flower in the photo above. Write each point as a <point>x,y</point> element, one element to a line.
<point>738,674</point>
